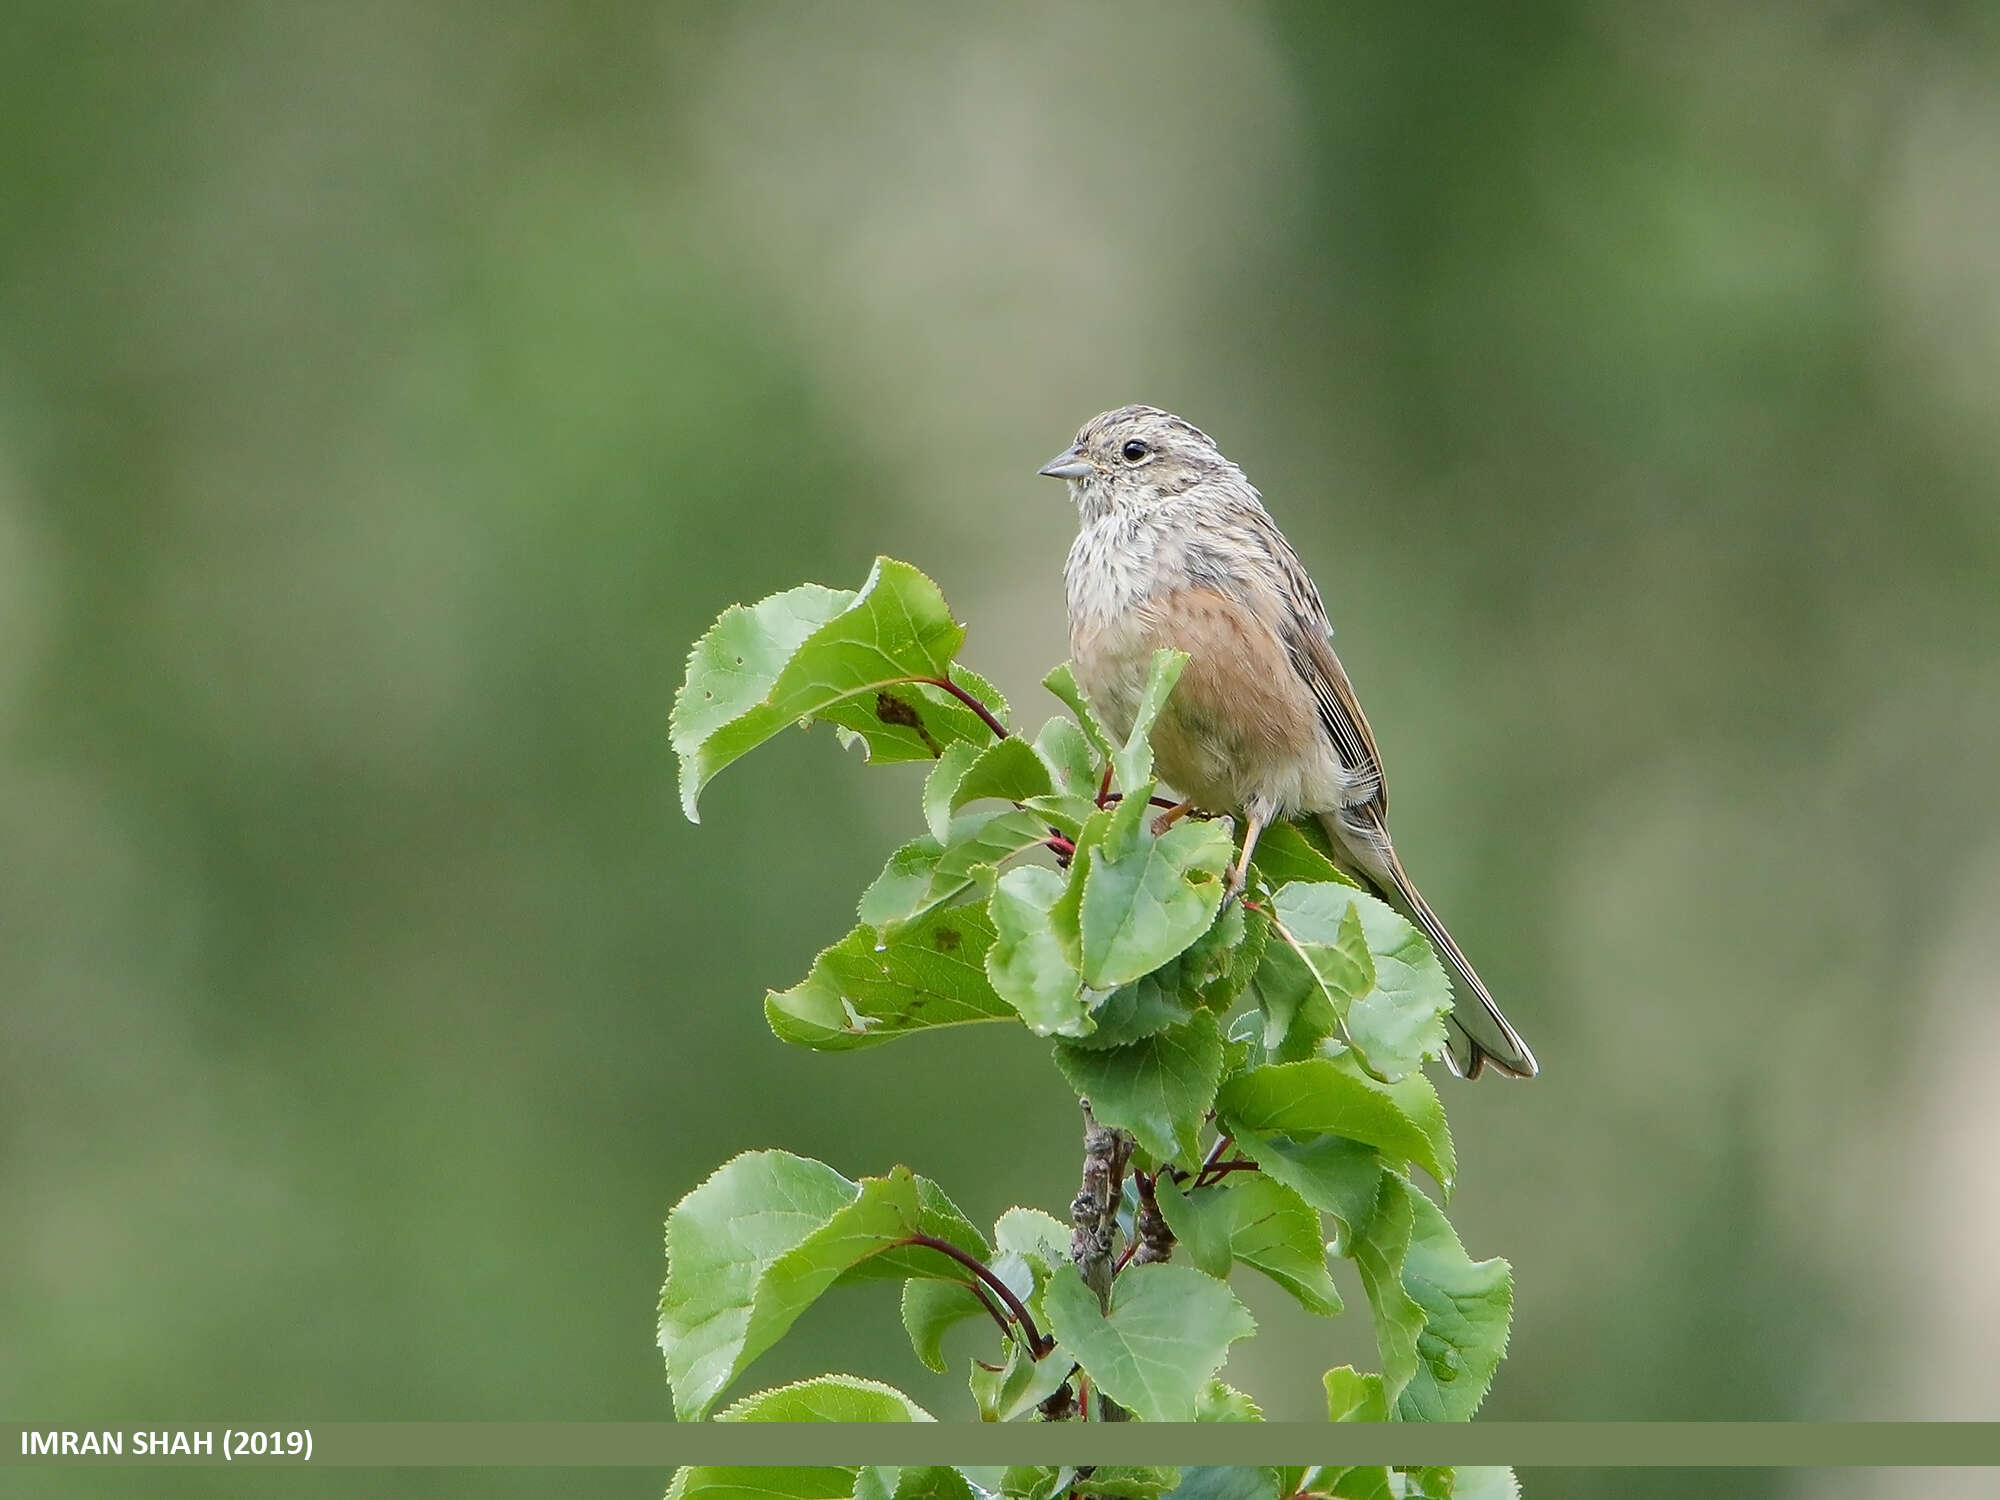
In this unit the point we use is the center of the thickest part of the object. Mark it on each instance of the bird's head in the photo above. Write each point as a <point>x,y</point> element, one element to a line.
<point>1135,457</point>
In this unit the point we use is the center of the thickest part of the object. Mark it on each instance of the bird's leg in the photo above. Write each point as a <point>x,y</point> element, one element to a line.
<point>1253,824</point>
<point>1171,816</point>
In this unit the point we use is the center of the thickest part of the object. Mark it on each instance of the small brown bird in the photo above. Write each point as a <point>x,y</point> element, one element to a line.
<point>1176,549</point>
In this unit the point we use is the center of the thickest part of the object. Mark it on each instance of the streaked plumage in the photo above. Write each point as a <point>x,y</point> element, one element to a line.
<point>1176,549</point>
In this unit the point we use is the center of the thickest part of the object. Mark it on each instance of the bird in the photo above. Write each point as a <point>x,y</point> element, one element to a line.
<point>1174,548</point>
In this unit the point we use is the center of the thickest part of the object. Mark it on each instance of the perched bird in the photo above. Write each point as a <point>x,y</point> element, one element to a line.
<point>1176,549</point>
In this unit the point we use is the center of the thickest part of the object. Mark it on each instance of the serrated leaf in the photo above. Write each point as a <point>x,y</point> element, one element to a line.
<point>751,1248</point>
<point>1167,1332</point>
<point>1427,1482</point>
<point>1441,1318</point>
<point>1009,770</point>
<point>1354,1397</point>
<point>1028,965</point>
<point>859,666</point>
<point>1224,1403</point>
<point>1013,1390</point>
<point>1336,1176</point>
<point>1378,972</point>
<point>1274,1230</point>
<point>827,1398</point>
<point>1254,1219</point>
<point>931,1309</point>
<point>923,875</point>
<point>1159,1088</point>
<point>1146,899</point>
<point>941,786</point>
<point>1073,765</point>
<point>1062,682</point>
<point>1332,1096</point>
<point>733,666</point>
<point>1132,762</point>
<point>870,988</point>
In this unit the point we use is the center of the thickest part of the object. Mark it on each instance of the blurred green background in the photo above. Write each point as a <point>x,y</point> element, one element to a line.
<point>390,393</point>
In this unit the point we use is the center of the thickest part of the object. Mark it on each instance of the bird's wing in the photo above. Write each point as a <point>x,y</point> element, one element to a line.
<point>1308,638</point>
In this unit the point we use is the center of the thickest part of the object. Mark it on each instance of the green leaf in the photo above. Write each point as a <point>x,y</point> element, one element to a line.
<point>1028,965</point>
<point>1236,1483</point>
<point>1031,1233</point>
<point>1009,770</point>
<point>923,875</point>
<point>1260,1222</point>
<point>1428,1482</point>
<point>827,1398</point>
<point>1362,1482</point>
<point>1287,852</point>
<point>1172,993</point>
<point>1146,899</point>
<point>1274,1230</point>
<point>857,665</point>
<point>1379,974</point>
<point>1062,682</point>
<point>1073,765</point>
<point>1320,925</point>
<point>1168,1331</point>
<point>1336,1176</point>
<point>1224,1403</point>
<point>1332,1096</point>
<point>941,786</point>
<point>1201,1222</point>
<point>930,1310</point>
<point>1128,1482</point>
<point>868,988</point>
<point>762,1482</point>
<point>1354,1397</point>
<point>1159,1088</point>
<point>732,668</point>
<point>1132,762</point>
<point>933,1482</point>
<point>1009,1392</point>
<point>1065,813</point>
<point>751,1248</point>
<point>1441,1318</point>
<point>1035,1482</point>
<point>1484,1482</point>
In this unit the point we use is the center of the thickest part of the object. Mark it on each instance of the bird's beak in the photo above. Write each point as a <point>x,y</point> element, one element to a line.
<point>1068,464</point>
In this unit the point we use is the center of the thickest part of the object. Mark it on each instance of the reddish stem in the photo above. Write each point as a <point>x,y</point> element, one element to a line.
<point>1037,1345</point>
<point>999,729</point>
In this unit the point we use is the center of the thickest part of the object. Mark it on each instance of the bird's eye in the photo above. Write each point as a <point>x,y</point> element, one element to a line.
<point>1134,451</point>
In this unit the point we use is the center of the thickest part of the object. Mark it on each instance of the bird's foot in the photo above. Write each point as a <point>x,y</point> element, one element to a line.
<point>1170,817</point>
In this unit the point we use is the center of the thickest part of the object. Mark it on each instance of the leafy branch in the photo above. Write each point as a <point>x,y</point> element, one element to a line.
<point>1249,1073</point>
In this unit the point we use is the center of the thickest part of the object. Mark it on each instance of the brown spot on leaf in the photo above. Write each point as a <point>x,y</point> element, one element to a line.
<point>893,710</point>
<point>947,939</point>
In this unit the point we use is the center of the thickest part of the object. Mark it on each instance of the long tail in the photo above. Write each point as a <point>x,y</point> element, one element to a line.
<point>1477,1035</point>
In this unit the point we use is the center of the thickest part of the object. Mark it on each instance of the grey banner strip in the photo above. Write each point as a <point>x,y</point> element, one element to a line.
<point>665,1444</point>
